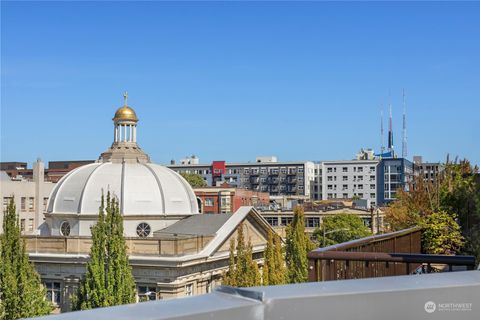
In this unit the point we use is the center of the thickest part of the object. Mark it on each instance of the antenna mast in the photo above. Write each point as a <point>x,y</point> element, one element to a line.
<point>404,133</point>
<point>382,149</point>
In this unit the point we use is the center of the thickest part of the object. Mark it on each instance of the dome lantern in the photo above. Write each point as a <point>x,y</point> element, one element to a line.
<point>125,123</point>
<point>124,146</point>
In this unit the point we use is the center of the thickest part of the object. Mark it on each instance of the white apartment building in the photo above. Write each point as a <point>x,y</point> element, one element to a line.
<point>346,179</point>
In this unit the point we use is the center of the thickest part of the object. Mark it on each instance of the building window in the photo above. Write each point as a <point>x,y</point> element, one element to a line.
<point>345,196</point>
<point>189,289</point>
<point>312,222</point>
<point>147,293</point>
<point>45,204</point>
<point>372,186</point>
<point>372,195</point>
<point>209,286</point>
<point>360,186</point>
<point>143,230</point>
<point>53,292</point>
<point>65,229</point>
<point>30,224</point>
<point>6,201</point>
<point>23,204</point>
<point>345,169</point>
<point>285,221</point>
<point>273,221</point>
<point>360,169</point>
<point>329,170</point>
<point>22,225</point>
<point>209,202</point>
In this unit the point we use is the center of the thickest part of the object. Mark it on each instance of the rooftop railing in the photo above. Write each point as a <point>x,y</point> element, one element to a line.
<point>391,254</point>
<point>432,296</point>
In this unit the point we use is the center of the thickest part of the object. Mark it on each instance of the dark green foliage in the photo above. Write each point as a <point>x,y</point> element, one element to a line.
<point>108,280</point>
<point>195,180</point>
<point>243,270</point>
<point>21,292</point>
<point>340,228</point>
<point>297,245</point>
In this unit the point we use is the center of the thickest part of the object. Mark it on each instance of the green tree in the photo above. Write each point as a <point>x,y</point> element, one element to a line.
<point>455,192</point>
<point>274,264</point>
<point>195,180</point>
<point>280,271</point>
<point>340,228</point>
<point>108,280</point>
<point>243,270</point>
<point>441,234</point>
<point>297,248</point>
<point>21,292</point>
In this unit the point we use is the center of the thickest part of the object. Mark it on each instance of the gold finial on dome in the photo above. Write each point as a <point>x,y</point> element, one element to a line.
<point>125,113</point>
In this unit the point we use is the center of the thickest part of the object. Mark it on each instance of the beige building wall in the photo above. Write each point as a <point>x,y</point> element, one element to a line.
<point>31,199</point>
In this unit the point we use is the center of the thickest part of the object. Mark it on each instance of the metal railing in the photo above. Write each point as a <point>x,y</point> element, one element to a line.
<point>391,254</point>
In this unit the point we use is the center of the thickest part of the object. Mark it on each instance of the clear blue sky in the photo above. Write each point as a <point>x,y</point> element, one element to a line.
<point>303,81</point>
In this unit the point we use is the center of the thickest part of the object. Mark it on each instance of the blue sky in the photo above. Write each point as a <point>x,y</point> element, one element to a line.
<point>303,81</point>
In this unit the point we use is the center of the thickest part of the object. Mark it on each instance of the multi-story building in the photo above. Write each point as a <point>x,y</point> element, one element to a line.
<point>279,220</point>
<point>346,179</point>
<point>30,196</point>
<point>394,174</point>
<point>225,199</point>
<point>266,174</point>
<point>55,171</point>
<point>428,170</point>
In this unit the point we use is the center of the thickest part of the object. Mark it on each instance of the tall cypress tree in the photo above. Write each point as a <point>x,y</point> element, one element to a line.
<point>296,248</point>
<point>243,270</point>
<point>269,262</point>
<point>108,280</point>
<point>280,272</point>
<point>21,292</point>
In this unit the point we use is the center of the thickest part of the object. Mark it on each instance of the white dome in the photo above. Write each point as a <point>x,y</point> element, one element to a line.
<point>141,188</point>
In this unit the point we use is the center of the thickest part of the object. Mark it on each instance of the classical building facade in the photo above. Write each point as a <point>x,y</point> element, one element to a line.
<point>173,249</point>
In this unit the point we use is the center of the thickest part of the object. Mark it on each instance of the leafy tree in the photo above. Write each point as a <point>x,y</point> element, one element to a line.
<point>340,228</point>
<point>195,180</point>
<point>108,280</point>
<point>441,234</point>
<point>243,270</point>
<point>297,248</point>
<point>456,192</point>
<point>21,292</point>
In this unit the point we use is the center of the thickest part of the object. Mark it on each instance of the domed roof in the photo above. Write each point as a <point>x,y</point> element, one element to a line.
<point>141,188</point>
<point>125,113</point>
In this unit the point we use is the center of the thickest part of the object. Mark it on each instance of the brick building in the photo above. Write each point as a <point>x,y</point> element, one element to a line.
<point>227,199</point>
